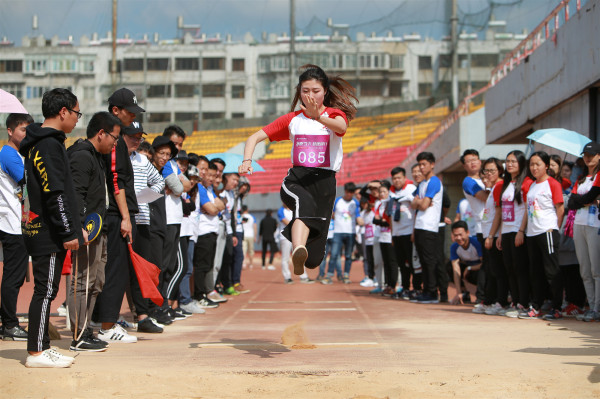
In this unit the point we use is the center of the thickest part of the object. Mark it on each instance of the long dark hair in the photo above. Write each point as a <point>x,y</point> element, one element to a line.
<point>586,171</point>
<point>558,160</point>
<point>522,162</point>
<point>338,92</point>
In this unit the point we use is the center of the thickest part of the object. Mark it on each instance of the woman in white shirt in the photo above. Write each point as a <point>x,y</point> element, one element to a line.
<point>545,211</point>
<point>585,233</point>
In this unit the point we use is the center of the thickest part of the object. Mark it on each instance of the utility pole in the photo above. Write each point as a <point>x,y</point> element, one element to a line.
<point>454,37</point>
<point>292,45</point>
<point>113,64</point>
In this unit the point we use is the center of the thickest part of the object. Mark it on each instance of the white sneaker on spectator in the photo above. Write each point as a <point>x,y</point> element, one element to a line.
<point>192,307</point>
<point>514,312</point>
<point>367,282</point>
<point>62,310</point>
<point>116,334</point>
<point>216,297</point>
<point>49,358</point>
<point>270,267</point>
<point>493,309</point>
<point>479,308</point>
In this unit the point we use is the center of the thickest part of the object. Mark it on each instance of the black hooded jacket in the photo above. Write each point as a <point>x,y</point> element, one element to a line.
<point>119,175</point>
<point>50,216</point>
<point>87,168</point>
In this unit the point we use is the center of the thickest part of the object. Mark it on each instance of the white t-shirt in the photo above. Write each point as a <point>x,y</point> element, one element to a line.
<point>489,213</point>
<point>385,232</point>
<point>248,225</point>
<point>188,224</point>
<point>541,213</point>
<point>172,202</point>
<point>429,219</point>
<point>471,187</point>
<point>345,214</point>
<point>313,144</point>
<point>512,211</point>
<point>227,213</point>
<point>588,215</point>
<point>206,223</point>
<point>402,200</point>
<point>11,172</point>
<point>369,227</point>
<point>284,213</point>
<point>466,215</point>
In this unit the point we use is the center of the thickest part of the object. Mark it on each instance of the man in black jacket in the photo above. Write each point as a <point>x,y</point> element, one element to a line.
<point>87,168</point>
<point>51,224</point>
<point>122,207</point>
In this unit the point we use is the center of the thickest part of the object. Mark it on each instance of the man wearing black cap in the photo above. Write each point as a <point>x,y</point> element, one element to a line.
<point>123,104</point>
<point>121,211</point>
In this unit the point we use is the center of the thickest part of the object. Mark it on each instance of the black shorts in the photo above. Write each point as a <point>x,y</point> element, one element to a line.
<point>310,194</point>
<point>471,277</point>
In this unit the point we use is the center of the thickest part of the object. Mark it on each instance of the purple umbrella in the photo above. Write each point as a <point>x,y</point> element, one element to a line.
<point>9,104</point>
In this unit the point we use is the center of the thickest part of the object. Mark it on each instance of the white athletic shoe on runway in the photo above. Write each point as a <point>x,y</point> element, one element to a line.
<point>116,334</point>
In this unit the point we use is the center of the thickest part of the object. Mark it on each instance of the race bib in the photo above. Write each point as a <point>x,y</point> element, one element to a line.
<point>508,211</point>
<point>369,231</point>
<point>311,151</point>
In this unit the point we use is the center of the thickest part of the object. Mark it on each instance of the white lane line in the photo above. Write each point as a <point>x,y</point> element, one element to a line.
<point>299,301</point>
<point>272,345</point>
<point>296,310</point>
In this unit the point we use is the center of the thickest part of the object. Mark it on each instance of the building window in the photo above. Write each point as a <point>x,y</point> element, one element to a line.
<point>370,89</point>
<point>280,63</point>
<point>395,89</point>
<point>484,60</point>
<point>185,116</point>
<point>185,91</point>
<point>424,89</point>
<point>237,92</point>
<point>213,90</point>
<point>11,66</point>
<point>14,89</point>
<point>118,66</point>
<point>133,64</point>
<point>187,64</point>
<point>159,116</point>
<point>445,60</point>
<point>87,65</point>
<point>238,65</point>
<point>237,115</point>
<point>425,62</point>
<point>157,64</point>
<point>213,115</point>
<point>35,65</point>
<point>397,62</point>
<point>213,64</point>
<point>36,91</point>
<point>264,65</point>
<point>160,91</point>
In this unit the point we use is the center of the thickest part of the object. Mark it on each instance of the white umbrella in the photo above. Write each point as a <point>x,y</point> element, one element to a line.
<point>9,104</point>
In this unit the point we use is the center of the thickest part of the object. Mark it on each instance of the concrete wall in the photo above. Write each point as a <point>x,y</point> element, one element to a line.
<point>556,71</point>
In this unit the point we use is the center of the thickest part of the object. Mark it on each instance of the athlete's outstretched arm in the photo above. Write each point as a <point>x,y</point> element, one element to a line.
<point>246,166</point>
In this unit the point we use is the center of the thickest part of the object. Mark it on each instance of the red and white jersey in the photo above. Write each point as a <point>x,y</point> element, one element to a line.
<point>512,211</point>
<point>489,211</point>
<point>314,145</point>
<point>541,212</point>
<point>588,215</point>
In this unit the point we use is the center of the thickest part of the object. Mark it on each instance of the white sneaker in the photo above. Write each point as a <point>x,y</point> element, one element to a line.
<point>494,309</point>
<point>116,334</point>
<point>270,267</point>
<point>216,297</point>
<point>49,358</point>
<point>62,310</point>
<point>192,307</point>
<point>480,308</point>
<point>367,282</point>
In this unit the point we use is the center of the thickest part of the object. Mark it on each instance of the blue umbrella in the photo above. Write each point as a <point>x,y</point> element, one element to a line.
<point>232,161</point>
<point>561,139</point>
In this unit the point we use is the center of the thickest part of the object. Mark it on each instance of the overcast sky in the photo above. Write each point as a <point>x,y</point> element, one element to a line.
<point>139,17</point>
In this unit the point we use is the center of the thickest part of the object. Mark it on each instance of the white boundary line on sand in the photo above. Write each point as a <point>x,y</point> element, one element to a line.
<point>299,301</point>
<point>270,345</point>
<point>296,310</point>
